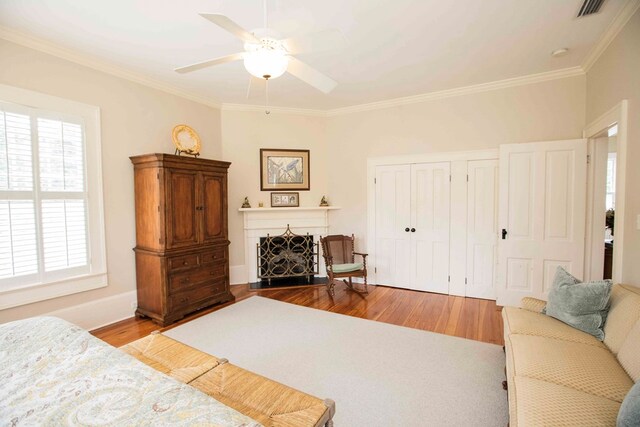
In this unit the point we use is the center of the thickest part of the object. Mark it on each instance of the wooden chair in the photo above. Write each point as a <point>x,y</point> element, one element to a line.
<point>339,257</point>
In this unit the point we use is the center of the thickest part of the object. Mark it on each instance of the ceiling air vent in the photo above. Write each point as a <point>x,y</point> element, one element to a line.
<point>589,7</point>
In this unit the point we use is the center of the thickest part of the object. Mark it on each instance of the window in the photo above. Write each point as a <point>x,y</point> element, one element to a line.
<point>611,181</point>
<point>612,132</point>
<point>51,232</point>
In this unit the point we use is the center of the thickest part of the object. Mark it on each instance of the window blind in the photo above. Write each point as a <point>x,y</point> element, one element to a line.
<point>43,197</point>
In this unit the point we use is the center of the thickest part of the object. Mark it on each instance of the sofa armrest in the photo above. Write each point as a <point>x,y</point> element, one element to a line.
<point>533,304</point>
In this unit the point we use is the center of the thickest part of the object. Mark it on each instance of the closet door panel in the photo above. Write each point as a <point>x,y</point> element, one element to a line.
<point>482,228</point>
<point>392,218</point>
<point>430,222</point>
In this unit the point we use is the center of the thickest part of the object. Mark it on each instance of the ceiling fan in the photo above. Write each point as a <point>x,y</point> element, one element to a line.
<point>268,56</point>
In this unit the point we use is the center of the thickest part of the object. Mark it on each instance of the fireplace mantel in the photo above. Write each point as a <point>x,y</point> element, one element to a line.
<point>310,208</point>
<point>258,222</point>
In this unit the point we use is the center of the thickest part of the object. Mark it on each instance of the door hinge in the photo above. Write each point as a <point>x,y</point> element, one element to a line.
<point>449,279</point>
<point>588,158</point>
<point>465,280</point>
<point>467,178</point>
<point>449,178</point>
<point>158,208</point>
<point>375,269</point>
<point>375,180</point>
<point>158,175</point>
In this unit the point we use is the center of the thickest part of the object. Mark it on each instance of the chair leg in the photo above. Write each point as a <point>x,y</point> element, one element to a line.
<point>331,285</point>
<point>349,284</point>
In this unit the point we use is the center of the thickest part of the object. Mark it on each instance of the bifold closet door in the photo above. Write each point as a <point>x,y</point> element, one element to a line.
<point>482,228</point>
<point>412,226</point>
<point>429,230</point>
<point>393,217</point>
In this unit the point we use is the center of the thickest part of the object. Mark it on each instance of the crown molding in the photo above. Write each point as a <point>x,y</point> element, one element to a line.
<point>277,110</point>
<point>96,64</point>
<point>465,90</point>
<point>91,62</point>
<point>449,93</point>
<point>618,23</point>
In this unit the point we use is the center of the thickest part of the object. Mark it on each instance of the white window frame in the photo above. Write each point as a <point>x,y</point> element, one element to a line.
<point>26,293</point>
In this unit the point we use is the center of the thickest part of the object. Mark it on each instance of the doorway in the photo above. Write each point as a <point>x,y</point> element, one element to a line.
<point>606,195</point>
<point>603,162</point>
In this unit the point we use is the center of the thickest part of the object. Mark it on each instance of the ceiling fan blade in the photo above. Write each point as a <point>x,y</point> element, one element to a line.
<point>315,42</point>
<point>209,63</point>
<point>227,24</point>
<point>311,76</point>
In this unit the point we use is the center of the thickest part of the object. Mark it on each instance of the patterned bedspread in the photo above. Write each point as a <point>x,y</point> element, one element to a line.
<point>54,373</point>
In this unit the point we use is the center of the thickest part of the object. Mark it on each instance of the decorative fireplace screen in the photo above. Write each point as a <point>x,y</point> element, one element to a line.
<point>287,255</point>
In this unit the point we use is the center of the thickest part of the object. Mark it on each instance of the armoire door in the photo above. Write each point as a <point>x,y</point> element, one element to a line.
<point>542,216</point>
<point>181,199</point>
<point>429,228</point>
<point>213,209</point>
<point>393,217</point>
<point>482,228</point>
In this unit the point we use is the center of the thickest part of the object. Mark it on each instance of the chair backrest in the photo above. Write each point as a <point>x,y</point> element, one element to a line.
<point>338,247</point>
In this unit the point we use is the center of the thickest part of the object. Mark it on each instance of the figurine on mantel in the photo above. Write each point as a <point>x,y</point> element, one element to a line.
<point>324,202</point>
<point>246,203</point>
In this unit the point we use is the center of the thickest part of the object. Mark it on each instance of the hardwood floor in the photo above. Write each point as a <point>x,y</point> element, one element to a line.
<point>471,318</point>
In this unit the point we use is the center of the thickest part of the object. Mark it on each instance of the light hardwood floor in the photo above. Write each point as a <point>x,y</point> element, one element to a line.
<point>471,318</point>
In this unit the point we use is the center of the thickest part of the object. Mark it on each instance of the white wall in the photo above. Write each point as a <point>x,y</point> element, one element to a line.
<point>135,120</point>
<point>614,77</point>
<point>537,112</point>
<point>243,135</point>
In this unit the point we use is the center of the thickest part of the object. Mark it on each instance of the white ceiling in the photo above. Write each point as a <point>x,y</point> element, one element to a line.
<point>394,48</point>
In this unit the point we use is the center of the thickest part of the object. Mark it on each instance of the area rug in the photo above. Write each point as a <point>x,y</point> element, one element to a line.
<point>378,374</point>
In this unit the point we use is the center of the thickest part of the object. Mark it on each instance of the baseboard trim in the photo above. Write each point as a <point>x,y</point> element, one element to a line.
<point>238,275</point>
<point>101,312</point>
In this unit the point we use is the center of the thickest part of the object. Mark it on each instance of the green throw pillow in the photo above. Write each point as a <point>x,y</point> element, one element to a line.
<point>629,414</point>
<point>581,305</point>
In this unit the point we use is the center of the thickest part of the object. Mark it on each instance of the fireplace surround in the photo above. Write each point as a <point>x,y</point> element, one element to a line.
<point>286,256</point>
<point>260,222</point>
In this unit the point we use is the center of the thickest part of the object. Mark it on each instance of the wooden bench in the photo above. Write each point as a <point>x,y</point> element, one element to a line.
<point>264,400</point>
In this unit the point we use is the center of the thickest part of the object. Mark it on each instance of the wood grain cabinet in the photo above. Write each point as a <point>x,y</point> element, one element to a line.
<point>182,246</point>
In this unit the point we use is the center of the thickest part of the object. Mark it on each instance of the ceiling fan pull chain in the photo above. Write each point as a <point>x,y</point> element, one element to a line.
<point>266,92</point>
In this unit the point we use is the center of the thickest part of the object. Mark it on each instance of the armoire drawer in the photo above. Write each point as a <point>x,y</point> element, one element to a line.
<point>180,281</point>
<point>181,300</point>
<point>214,255</point>
<point>182,262</point>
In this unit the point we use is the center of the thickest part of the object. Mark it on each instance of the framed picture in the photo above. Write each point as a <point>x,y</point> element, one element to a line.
<point>285,200</point>
<point>284,169</point>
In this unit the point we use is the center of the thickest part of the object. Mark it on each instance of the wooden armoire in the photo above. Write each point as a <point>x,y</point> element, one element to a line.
<point>182,245</point>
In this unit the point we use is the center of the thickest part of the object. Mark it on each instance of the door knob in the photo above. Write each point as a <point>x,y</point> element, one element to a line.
<point>406,229</point>
<point>504,234</point>
<point>413,230</point>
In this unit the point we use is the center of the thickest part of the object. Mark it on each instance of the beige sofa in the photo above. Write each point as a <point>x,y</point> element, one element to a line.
<point>560,376</point>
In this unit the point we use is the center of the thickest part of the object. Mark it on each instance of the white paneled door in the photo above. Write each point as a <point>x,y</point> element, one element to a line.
<point>412,226</point>
<point>393,216</point>
<point>482,228</point>
<point>542,216</point>
<point>429,228</point>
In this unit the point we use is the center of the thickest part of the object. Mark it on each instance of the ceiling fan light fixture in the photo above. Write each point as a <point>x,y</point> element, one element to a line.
<point>266,63</point>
